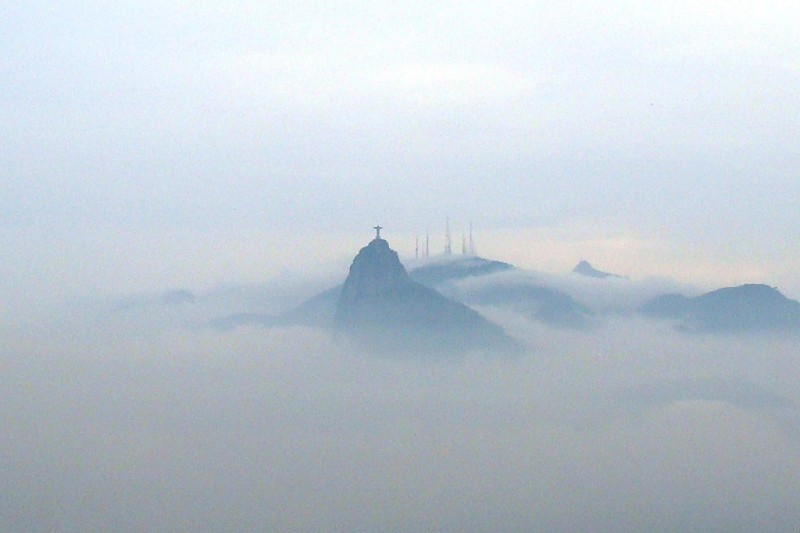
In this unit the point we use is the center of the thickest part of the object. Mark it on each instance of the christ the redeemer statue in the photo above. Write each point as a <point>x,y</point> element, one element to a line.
<point>377,229</point>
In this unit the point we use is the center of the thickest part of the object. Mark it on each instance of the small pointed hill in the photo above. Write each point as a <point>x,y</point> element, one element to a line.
<point>746,308</point>
<point>584,268</point>
<point>379,302</point>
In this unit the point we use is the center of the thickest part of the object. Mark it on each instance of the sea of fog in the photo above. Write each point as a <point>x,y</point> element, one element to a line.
<point>118,418</point>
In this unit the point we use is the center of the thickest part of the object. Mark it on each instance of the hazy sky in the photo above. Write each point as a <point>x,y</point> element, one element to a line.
<point>637,131</point>
<point>239,149</point>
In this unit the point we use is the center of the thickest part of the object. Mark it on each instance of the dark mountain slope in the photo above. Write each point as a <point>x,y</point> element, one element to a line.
<point>746,308</point>
<point>437,273</point>
<point>544,304</point>
<point>379,302</point>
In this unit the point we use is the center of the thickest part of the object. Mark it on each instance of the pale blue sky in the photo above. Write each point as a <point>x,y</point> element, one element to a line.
<point>670,123</point>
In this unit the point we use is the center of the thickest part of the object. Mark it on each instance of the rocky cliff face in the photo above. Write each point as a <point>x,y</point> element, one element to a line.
<point>376,276</point>
<point>380,302</point>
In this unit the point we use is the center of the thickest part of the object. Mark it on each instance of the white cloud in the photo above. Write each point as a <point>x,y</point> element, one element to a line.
<point>288,430</point>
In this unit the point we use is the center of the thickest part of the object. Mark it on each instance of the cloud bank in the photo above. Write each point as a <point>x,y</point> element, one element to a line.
<point>129,427</point>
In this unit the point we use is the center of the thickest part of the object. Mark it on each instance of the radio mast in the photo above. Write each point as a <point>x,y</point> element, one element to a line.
<point>427,243</point>
<point>471,242</point>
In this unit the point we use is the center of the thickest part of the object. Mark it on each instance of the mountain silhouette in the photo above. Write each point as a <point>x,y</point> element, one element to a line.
<point>321,308</point>
<point>380,303</point>
<point>544,304</point>
<point>584,268</point>
<point>463,267</point>
<point>746,308</point>
<point>317,311</point>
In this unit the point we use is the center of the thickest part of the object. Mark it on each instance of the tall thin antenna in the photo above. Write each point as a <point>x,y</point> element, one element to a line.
<point>471,242</point>
<point>448,248</point>
<point>427,243</point>
<point>463,244</point>
<point>416,248</point>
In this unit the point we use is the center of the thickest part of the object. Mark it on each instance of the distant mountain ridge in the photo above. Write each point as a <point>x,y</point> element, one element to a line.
<point>462,267</point>
<point>544,304</point>
<point>746,308</point>
<point>438,297</point>
<point>584,268</point>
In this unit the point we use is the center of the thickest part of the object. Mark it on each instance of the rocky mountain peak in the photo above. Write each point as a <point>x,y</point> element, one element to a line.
<point>379,302</point>
<point>376,272</point>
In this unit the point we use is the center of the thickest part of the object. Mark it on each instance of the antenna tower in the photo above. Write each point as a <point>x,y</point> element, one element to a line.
<point>427,243</point>
<point>471,242</point>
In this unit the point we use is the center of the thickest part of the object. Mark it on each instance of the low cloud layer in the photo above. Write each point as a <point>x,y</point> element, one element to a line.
<point>124,426</point>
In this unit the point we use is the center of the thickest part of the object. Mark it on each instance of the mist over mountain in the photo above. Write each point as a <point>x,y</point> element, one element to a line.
<point>584,268</point>
<point>746,308</point>
<point>169,298</point>
<point>185,186</point>
<point>203,428</point>
<point>458,277</point>
<point>319,310</point>
<point>477,281</point>
<point>544,304</point>
<point>456,268</point>
<point>380,302</point>
<point>633,427</point>
<point>562,301</point>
